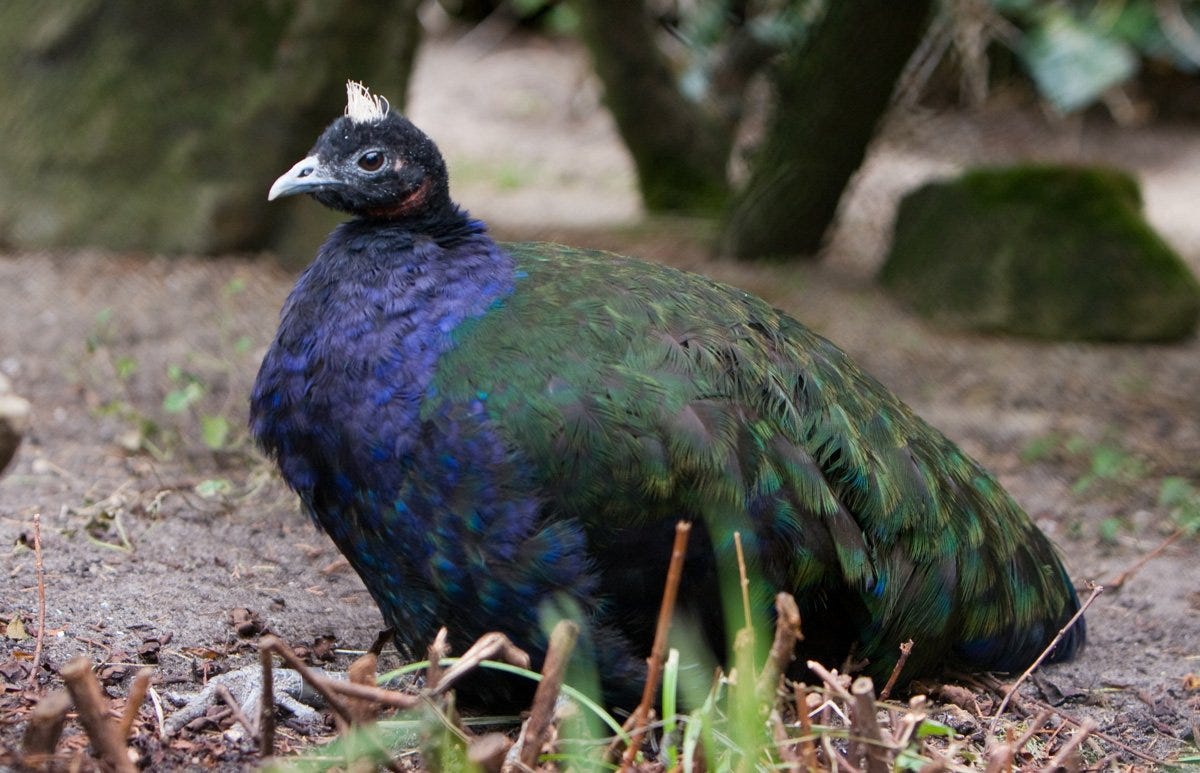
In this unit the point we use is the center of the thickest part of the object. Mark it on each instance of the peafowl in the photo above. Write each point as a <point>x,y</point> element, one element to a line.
<point>490,431</point>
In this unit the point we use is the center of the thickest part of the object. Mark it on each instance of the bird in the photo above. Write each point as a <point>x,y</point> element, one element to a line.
<point>490,432</point>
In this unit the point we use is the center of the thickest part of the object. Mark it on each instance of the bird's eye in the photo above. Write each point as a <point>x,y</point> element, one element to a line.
<point>370,161</point>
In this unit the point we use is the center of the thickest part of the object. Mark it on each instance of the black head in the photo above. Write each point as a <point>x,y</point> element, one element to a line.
<point>371,162</point>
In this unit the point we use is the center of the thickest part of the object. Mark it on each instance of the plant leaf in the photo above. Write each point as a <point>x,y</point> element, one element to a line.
<point>179,400</point>
<point>1074,63</point>
<point>213,487</point>
<point>215,431</point>
<point>15,629</point>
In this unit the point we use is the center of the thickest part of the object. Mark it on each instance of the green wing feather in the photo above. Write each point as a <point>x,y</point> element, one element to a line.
<point>647,393</point>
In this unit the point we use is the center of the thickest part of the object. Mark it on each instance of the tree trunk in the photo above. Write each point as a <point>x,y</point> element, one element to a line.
<point>679,152</point>
<point>831,94</point>
<point>159,126</point>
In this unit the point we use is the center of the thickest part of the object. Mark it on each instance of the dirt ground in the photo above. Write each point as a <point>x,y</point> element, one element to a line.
<point>151,539</point>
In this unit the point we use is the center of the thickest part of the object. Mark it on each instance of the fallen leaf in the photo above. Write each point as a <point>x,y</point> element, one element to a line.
<point>246,622</point>
<point>149,649</point>
<point>15,629</point>
<point>14,672</point>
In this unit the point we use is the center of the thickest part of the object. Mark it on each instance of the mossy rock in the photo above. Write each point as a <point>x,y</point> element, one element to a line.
<point>160,126</point>
<point>1045,251</point>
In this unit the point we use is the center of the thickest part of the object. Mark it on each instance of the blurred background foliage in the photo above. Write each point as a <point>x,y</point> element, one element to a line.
<point>157,127</point>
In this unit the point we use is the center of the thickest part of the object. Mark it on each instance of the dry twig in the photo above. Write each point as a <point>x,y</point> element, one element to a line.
<point>785,745</point>
<point>1034,727</point>
<point>490,646</point>
<point>832,679</point>
<point>439,649</point>
<point>837,760</point>
<point>239,716</point>
<point>1059,761</point>
<point>488,751</point>
<point>808,750</point>
<point>89,702</point>
<point>41,591</point>
<point>905,651</point>
<point>133,703</point>
<point>1136,567</point>
<point>541,715</point>
<point>158,712</point>
<point>366,692</point>
<point>45,725</point>
<point>322,685</point>
<point>266,709</point>
<point>1096,591</point>
<point>658,650</point>
<point>1103,736</point>
<point>783,647</point>
<point>866,738</point>
<point>363,671</point>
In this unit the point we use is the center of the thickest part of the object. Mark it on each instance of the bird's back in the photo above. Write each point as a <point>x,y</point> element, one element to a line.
<point>632,395</point>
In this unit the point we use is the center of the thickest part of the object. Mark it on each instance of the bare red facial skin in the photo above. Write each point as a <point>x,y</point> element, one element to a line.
<point>412,202</point>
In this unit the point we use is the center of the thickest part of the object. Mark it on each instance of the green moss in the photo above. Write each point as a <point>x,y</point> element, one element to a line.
<point>1045,251</point>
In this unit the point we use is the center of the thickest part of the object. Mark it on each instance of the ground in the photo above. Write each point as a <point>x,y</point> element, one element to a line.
<point>151,539</point>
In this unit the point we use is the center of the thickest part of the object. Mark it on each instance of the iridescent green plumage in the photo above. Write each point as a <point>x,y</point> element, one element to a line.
<point>639,394</point>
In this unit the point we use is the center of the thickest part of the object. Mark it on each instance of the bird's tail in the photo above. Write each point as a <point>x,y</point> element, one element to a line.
<point>1015,649</point>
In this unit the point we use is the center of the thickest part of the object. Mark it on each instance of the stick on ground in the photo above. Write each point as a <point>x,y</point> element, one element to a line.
<point>808,750</point>
<point>133,704</point>
<point>1096,591</point>
<point>1064,754</point>
<point>364,670</point>
<point>239,716</point>
<point>93,715</point>
<point>658,650</point>
<point>439,649</point>
<point>905,651</point>
<point>367,692</point>
<point>1122,578</point>
<point>318,683</point>
<point>783,647</point>
<point>562,643</point>
<point>1103,736</point>
<point>41,591</point>
<point>490,646</point>
<point>46,724</point>
<point>866,726</point>
<point>266,709</point>
<point>832,680</point>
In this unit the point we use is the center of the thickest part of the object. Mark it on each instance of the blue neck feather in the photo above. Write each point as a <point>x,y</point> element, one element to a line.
<point>339,396</point>
<point>359,339</point>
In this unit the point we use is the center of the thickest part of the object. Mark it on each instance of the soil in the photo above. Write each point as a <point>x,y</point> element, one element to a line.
<point>151,540</point>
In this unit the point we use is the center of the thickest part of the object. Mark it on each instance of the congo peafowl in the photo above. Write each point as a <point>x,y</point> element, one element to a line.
<point>485,429</point>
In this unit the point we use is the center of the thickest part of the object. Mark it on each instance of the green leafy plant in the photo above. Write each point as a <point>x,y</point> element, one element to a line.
<point>1077,50</point>
<point>202,395</point>
<point>1182,500</point>
<point>1107,462</point>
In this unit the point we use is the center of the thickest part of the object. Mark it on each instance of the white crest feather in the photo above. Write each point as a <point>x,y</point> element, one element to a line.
<point>362,106</point>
